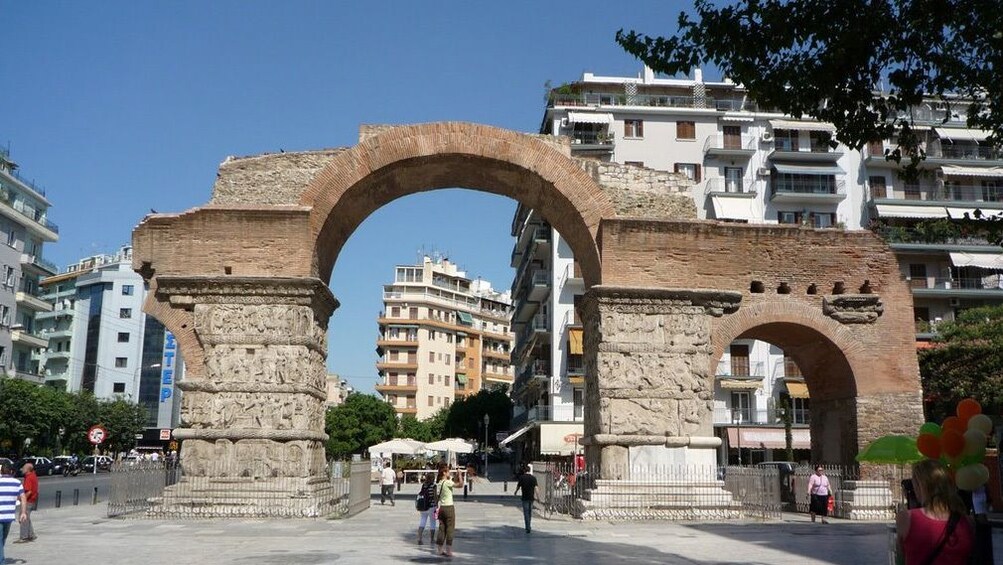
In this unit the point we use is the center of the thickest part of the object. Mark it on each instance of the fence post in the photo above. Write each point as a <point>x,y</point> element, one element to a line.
<point>59,498</point>
<point>76,496</point>
<point>94,497</point>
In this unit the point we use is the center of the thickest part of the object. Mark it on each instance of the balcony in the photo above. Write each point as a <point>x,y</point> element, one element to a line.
<point>759,417</point>
<point>589,141</point>
<point>721,145</point>
<point>497,354</point>
<point>785,150</point>
<point>597,99</point>
<point>38,265</point>
<point>988,286</point>
<point>394,343</point>
<point>31,302</point>
<point>22,337</point>
<point>397,365</point>
<point>968,153</point>
<point>55,313</point>
<point>397,388</point>
<point>807,189</point>
<point>945,236</point>
<point>731,187</point>
<point>37,223</point>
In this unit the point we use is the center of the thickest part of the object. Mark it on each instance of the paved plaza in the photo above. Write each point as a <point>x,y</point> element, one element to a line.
<point>490,531</point>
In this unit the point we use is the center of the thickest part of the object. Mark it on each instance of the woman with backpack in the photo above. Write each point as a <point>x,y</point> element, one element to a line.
<point>427,504</point>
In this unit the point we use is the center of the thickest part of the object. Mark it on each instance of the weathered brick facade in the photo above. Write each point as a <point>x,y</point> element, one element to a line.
<point>667,295</point>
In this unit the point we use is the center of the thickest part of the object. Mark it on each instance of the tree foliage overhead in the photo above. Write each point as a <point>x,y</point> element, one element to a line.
<point>966,362</point>
<point>466,415</point>
<point>826,60</point>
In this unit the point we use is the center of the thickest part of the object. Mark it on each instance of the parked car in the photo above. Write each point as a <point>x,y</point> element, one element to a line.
<point>43,465</point>
<point>103,462</point>
<point>63,465</point>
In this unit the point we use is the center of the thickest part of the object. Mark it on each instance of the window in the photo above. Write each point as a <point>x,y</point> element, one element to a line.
<point>449,338</point>
<point>445,380</point>
<point>413,313</point>
<point>917,275</point>
<point>123,337</point>
<point>801,410</point>
<point>430,401</point>
<point>125,312</point>
<point>4,315</point>
<point>447,359</point>
<point>686,130</point>
<point>793,218</point>
<point>635,163</point>
<point>785,139</point>
<point>431,379</point>
<point>823,219</point>
<point>733,179</point>
<point>431,357</point>
<point>691,170</point>
<point>912,191</point>
<point>127,289</point>
<point>395,312</point>
<point>732,137</point>
<point>578,397</point>
<point>447,401</point>
<point>739,360</point>
<point>118,387</point>
<point>791,368</point>
<point>12,238</point>
<point>121,362</point>
<point>878,187</point>
<point>741,407</point>
<point>992,191</point>
<point>633,128</point>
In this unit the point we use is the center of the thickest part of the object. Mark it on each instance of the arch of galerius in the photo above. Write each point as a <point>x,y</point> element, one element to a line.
<point>242,284</point>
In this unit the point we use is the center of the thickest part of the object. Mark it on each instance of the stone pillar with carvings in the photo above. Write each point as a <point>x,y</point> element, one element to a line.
<point>649,399</point>
<point>253,418</point>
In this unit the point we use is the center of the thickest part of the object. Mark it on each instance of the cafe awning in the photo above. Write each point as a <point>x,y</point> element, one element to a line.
<point>575,341</point>
<point>797,390</point>
<point>516,435</point>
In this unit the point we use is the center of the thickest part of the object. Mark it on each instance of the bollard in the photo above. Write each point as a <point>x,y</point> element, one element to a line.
<point>94,498</point>
<point>59,498</point>
<point>76,496</point>
<point>505,485</point>
<point>464,491</point>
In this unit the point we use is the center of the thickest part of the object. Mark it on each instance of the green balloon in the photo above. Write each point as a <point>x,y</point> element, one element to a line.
<point>930,428</point>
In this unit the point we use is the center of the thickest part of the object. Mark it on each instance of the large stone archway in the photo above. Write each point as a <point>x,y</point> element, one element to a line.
<point>241,282</point>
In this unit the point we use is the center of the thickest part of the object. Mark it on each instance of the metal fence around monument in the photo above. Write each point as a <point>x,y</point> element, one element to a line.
<point>708,492</point>
<point>139,490</point>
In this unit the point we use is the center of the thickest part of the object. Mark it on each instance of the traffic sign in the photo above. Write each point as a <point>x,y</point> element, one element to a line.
<point>96,435</point>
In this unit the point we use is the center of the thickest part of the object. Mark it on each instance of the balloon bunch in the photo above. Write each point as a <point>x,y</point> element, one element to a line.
<point>960,443</point>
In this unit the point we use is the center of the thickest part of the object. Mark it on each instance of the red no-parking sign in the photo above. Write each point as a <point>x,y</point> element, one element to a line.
<point>96,435</point>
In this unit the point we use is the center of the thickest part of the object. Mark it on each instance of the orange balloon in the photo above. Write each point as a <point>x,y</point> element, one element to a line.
<point>929,445</point>
<point>952,443</point>
<point>954,423</point>
<point>968,408</point>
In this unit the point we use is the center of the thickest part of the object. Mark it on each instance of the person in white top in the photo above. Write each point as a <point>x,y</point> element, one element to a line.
<point>387,479</point>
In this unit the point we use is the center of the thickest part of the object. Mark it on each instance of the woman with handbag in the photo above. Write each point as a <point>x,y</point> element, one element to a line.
<point>426,505</point>
<point>447,513</point>
<point>818,491</point>
<point>939,531</point>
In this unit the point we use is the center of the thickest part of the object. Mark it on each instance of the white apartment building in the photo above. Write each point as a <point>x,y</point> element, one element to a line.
<point>337,389</point>
<point>753,165</point>
<point>24,229</point>
<point>100,341</point>
<point>441,335</point>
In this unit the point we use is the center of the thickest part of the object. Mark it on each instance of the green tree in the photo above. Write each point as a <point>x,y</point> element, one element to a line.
<point>21,416</point>
<point>437,424</point>
<point>966,361</point>
<point>466,416</point>
<point>362,420</point>
<point>411,427</point>
<point>827,59</point>
<point>123,420</point>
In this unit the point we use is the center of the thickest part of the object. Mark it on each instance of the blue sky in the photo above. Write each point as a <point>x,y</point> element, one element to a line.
<point>119,107</point>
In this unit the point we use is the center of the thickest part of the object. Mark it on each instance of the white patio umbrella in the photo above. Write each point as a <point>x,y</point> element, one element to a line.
<point>456,445</point>
<point>397,446</point>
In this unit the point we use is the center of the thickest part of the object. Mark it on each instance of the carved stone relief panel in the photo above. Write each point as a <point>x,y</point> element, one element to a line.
<point>269,364</point>
<point>251,410</point>
<point>254,458</point>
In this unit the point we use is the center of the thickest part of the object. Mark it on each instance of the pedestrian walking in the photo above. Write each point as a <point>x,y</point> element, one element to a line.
<point>819,491</point>
<point>447,513</point>
<point>30,484</point>
<point>938,532</point>
<point>387,480</point>
<point>427,505</point>
<point>530,492</point>
<point>11,492</point>
<point>983,550</point>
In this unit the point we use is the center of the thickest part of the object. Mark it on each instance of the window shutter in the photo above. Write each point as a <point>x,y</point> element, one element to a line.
<point>696,173</point>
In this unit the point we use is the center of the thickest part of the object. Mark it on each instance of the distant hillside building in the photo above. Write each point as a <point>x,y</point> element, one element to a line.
<point>442,335</point>
<point>24,228</point>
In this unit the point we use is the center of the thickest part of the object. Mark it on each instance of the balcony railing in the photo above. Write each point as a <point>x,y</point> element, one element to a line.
<point>730,186</point>
<point>896,234</point>
<point>27,182</point>
<point>39,262</point>
<point>581,137</point>
<point>759,416</point>
<point>989,282</point>
<point>965,152</point>
<point>719,141</point>
<point>546,413</point>
<point>650,100</point>
<point>576,365</point>
<point>823,185</point>
<point>36,216</point>
<point>790,145</point>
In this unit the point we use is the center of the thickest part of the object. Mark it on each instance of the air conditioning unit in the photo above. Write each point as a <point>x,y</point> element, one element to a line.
<point>763,171</point>
<point>955,302</point>
<point>767,136</point>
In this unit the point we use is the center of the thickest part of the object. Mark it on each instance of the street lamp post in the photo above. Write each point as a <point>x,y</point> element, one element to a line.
<point>736,417</point>
<point>487,422</point>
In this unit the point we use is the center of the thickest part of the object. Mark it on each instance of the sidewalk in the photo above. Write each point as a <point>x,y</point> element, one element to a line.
<point>489,531</point>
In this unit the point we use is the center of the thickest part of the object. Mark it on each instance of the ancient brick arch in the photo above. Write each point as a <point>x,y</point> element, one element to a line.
<point>409,159</point>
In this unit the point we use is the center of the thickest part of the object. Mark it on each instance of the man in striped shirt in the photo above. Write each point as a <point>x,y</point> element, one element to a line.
<point>11,491</point>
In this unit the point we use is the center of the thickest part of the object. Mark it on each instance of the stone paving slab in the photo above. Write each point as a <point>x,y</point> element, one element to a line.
<point>489,531</point>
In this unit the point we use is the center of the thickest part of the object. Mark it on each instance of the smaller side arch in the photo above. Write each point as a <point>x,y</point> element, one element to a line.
<point>181,323</point>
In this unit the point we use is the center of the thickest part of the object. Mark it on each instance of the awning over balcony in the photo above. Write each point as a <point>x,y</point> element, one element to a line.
<point>514,436</point>
<point>958,213</point>
<point>768,438</point>
<point>797,390</point>
<point>740,384</point>
<point>907,211</point>
<point>465,318</point>
<point>963,134</point>
<point>461,378</point>
<point>983,260</point>
<point>786,169</point>
<point>575,341</point>
<point>727,207</point>
<point>804,126</point>
<point>589,118</point>
<point>984,172</point>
